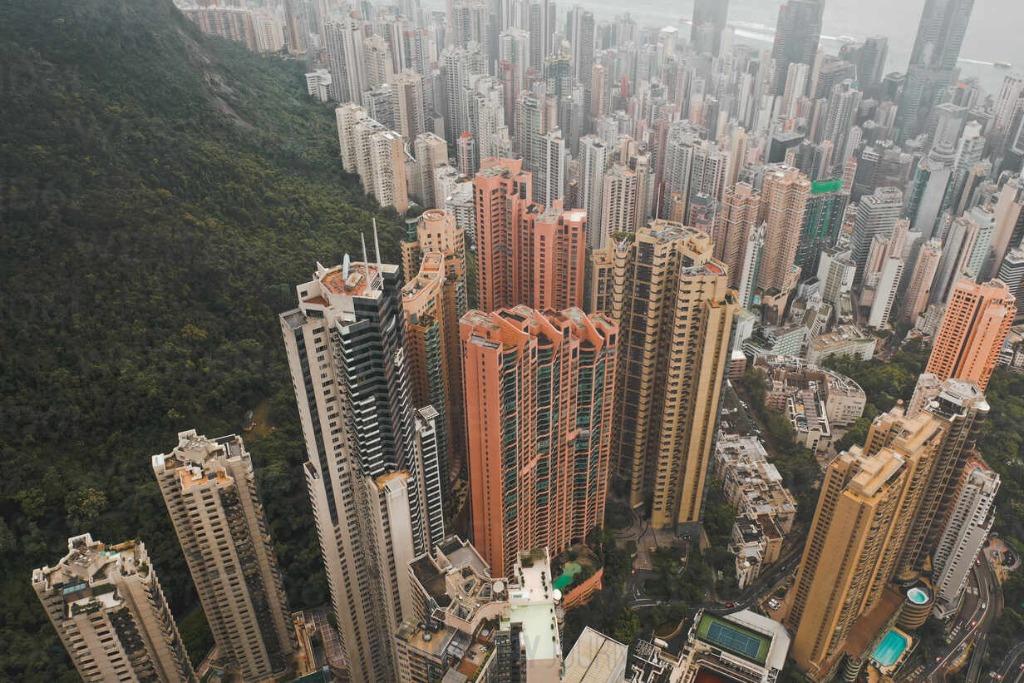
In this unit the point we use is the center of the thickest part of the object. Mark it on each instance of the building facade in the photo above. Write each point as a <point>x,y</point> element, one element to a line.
<point>209,488</point>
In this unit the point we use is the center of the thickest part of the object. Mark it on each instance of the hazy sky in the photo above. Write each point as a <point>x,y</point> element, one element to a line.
<point>996,31</point>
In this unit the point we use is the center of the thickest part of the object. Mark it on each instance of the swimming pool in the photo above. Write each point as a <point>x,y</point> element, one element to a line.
<point>918,596</point>
<point>890,649</point>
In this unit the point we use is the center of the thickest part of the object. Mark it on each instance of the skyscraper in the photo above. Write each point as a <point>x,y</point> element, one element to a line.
<point>539,402</point>
<point>940,34</point>
<point>865,510</point>
<point>593,162</point>
<point>366,472</point>
<point>919,290</point>
<point>526,254</point>
<point>709,21</point>
<point>209,488</point>
<point>618,202</point>
<point>549,174</point>
<point>433,300</point>
<point>826,208</point>
<point>502,192</point>
<point>796,37</point>
<point>964,535</point>
<point>974,327</point>
<point>111,615</point>
<point>877,214</point>
<point>737,216</point>
<point>784,198</point>
<point>675,314</point>
<point>580,33</point>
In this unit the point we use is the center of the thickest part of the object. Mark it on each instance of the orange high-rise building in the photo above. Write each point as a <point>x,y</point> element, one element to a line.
<point>525,254</point>
<point>433,299</point>
<point>977,319</point>
<point>784,197</point>
<point>501,193</point>
<point>539,400</point>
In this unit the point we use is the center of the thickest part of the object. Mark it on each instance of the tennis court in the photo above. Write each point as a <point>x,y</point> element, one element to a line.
<point>733,638</point>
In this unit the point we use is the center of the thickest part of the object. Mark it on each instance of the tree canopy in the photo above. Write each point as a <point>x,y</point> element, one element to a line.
<point>162,193</point>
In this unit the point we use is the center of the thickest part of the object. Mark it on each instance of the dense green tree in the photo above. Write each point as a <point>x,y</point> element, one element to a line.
<point>161,195</point>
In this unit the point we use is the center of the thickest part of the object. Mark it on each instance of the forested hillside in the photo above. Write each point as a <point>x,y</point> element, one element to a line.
<point>161,193</point>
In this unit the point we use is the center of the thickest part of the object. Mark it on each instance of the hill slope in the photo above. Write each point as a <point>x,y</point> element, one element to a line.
<point>161,194</point>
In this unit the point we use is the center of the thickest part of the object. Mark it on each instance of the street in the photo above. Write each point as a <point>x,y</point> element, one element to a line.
<point>982,606</point>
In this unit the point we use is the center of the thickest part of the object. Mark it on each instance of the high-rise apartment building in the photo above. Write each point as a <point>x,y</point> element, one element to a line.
<point>209,488</point>
<point>593,163</point>
<point>618,202</point>
<point>539,403</point>
<point>877,214</point>
<point>784,198</point>
<point>919,290</point>
<point>428,342</point>
<point>977,319</point>
<point>526,254</point>
<point>737,216</point>
<point>410,108</point>
<point>107,606</point>
<point>675,312</point>
<point>502,193</point>
<point>367,470</point>
<point>431,153</point>
<point>865,510</point>
<point>965,534</point>
<point>823,221</point>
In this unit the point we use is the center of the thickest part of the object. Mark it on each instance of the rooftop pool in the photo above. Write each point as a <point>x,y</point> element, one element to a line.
<point>890,649</point>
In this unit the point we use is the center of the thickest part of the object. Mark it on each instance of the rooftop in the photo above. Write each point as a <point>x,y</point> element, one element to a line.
<point>594,657</point>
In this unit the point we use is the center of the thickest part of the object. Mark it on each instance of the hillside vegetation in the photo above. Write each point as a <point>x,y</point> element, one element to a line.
<point>161,194</point>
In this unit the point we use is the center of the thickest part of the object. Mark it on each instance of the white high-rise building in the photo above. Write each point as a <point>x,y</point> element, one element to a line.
<point>378,62</point>
<point>752,253</point>
<point>367,473</point>
<point>549,178</point>
<point>431,152</point>
<point>963,537</point>
<point>885,292</point>
<point>209,488</point>
<point>111,615</point>
<point>387,161</point>
<point>836,271</point>
<point>347,116</point>
<point>876,217</point>
<point>409,107</point>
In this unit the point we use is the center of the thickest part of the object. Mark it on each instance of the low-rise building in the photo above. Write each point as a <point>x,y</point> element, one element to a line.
<point>468,625</point>
<point>816,401</point>
<point>845,340</point>
<point>742,647</point>
<point>765,509</point>
<point>596,658</point>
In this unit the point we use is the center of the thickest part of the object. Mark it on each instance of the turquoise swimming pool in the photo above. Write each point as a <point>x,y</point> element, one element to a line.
<point>917,596</point>
<point>890,649</point>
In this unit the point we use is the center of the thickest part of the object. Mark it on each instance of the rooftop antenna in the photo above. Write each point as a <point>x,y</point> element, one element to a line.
<point>366,261</point>
<point>376,248</point>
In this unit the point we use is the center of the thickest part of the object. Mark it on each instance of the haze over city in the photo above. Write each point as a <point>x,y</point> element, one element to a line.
<point>512,341</point>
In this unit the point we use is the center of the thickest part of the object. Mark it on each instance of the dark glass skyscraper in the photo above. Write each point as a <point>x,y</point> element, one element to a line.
<point>940,36</point>
<point>796,37</point>
<point>709,19</point>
